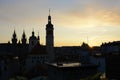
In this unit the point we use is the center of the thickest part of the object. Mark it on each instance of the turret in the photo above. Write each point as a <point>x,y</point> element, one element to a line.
<point>50,39</point>
<point>14,38</point>
<point>23,38</point>
<point>33,40</point>
<point>38,38</point>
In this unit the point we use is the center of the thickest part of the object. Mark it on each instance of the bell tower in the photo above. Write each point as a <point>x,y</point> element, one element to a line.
<point>50,39</point>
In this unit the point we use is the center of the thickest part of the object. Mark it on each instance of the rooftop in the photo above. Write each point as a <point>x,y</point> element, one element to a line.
<point>66,64</point>
<point>71,65</point>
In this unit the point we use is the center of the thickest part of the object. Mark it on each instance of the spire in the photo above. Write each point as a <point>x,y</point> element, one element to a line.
<point>14,38</point>
<point>50,39</point>
<point>23,34</point>
<point>14,31</point>
<point>23,31</point>
<point>38,36</point>
<point>14,34</point>
<point>33,32</point>
<point>23,38</point>
<point>49,18</point>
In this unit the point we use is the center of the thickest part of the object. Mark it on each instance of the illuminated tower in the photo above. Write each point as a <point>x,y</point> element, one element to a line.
<point>14,38</point>
<point>50,39</point>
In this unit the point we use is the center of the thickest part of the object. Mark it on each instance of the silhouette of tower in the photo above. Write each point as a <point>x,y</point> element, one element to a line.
<point>14,38</point>
<point>50,39</point>
<point>38,38</point>
<point>23,38</point>
<point>33,40</point>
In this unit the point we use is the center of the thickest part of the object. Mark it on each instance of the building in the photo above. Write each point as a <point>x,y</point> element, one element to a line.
<point>50,39</point>
<point>70,71</point>
<point>110,48</point>
<point>113,66</point>
<point>29,59</point>
<point>23,57</point>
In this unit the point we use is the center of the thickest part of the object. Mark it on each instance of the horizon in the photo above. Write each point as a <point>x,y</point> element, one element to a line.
<point>90,21</point>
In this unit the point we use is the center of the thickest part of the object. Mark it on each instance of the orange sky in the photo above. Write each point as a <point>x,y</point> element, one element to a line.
<point>75,21</point>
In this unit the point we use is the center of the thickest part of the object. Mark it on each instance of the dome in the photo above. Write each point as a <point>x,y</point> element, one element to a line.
<point>33,37</point>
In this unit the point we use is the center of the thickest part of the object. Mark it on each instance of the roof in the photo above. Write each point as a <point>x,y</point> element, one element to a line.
<point>10,49</point>
<point>67,64</point>
<point>33,38</point>
<point>72,65</point>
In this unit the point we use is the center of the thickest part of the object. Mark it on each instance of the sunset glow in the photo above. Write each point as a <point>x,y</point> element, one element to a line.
<point>75,21</point>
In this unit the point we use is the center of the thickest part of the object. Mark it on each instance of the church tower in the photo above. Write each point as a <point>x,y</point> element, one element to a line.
<point>14,38</point>
<point>23,38</point>
<point>38,38</point>
<point>50,39</point>
<point>33,40</point>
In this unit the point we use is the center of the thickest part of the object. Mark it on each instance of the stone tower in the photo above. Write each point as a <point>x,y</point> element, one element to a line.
<point>50,39</point>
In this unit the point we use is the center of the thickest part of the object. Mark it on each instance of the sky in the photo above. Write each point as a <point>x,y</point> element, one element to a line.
<point>75,21</point>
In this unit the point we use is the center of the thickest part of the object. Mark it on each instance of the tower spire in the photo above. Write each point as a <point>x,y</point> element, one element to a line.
<point>38,38</point>
<point>23,38</point>
<point>33,32</point>
<point>49,11</point>
<point>23,32</point>
<point>50,39</point>
<point>49,18</point>
<point>14,32</point>
<point>14,38</point>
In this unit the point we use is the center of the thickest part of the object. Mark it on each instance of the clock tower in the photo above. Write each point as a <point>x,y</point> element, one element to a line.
<point>50,39</point>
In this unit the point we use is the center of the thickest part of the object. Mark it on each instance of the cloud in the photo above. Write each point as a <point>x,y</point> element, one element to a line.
<point>91,15</point>
<point>78,13</point>
<point>78,18</point>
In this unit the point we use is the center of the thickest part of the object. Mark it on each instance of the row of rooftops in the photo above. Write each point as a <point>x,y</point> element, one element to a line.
<point>71,65</point>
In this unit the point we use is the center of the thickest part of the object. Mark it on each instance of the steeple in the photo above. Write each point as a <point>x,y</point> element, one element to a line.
<point>14,38</point>
<point>33,33</point>
<point>49,18</point>
<point>23,34</point>
<point>33,40</point>
<point>23,38</point>
<point>38,38</point>
<point>50,39</point>
<point>14,34</point>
